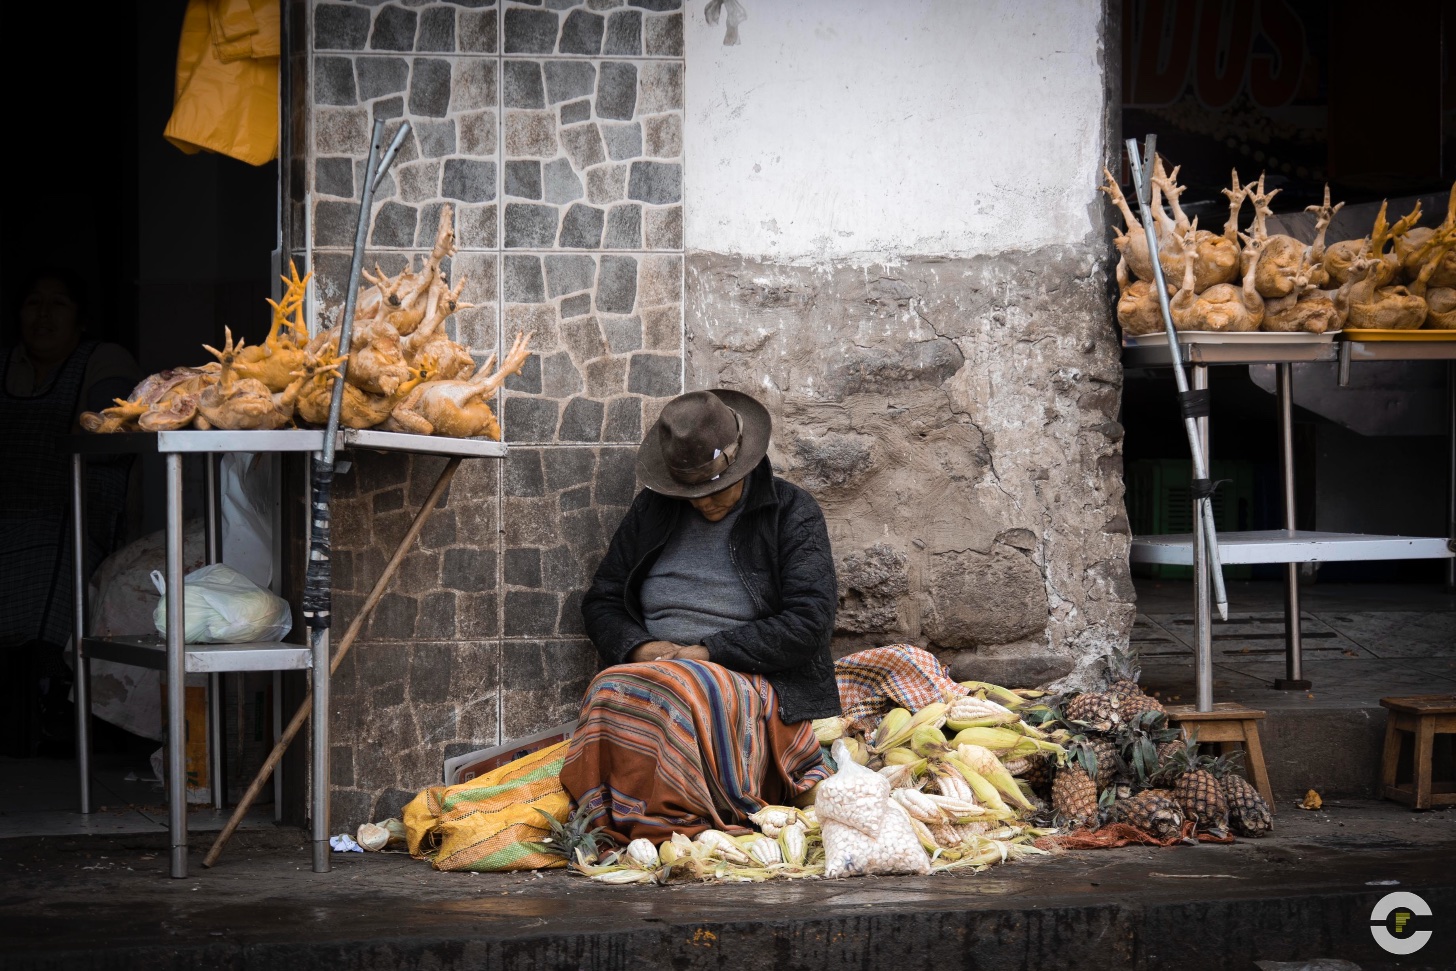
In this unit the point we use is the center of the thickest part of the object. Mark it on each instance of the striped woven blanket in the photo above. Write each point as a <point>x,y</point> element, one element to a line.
<point>684,746</point>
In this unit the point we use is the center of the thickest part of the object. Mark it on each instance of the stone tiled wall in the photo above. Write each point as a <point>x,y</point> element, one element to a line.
<point>554,131</point>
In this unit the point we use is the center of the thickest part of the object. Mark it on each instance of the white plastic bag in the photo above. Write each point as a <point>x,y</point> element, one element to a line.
<point>864,831</point>
<point>224,607</point>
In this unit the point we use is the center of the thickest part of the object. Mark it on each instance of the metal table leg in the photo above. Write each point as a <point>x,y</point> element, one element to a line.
<point>1451,466</point>
<point>176,674</point>
<point>212,529</point>
<point>82,685</point>
<point>1293,650</point>
<point>1202,602</point>
<point>319,769</point>
<point>321,780</point>
<point>277,734</point>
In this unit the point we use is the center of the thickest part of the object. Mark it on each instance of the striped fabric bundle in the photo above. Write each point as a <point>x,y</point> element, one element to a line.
<point>490,822</point>
<point>874,680</point>
<point>683,746</point>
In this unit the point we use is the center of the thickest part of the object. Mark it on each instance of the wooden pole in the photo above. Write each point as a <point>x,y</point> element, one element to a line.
<point>346,642</point>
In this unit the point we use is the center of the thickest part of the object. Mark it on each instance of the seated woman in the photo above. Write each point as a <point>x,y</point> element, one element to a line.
<point>712,612</point>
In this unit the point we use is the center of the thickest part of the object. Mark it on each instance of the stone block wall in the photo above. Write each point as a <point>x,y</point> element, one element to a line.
<point>554,131</point>
<point>956,418</point>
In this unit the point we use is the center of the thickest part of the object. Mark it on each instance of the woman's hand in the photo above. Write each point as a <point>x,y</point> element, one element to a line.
<point>652,651</point>
<point>668,651</point>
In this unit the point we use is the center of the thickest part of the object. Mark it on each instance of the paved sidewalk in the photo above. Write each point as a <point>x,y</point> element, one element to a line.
<point>1303,893</point>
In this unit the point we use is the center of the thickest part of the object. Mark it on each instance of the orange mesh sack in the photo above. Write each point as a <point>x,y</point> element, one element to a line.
<point>490,822</point>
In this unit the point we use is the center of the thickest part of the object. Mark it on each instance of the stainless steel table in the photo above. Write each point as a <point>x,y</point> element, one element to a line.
<point>1289,545</point>
<point>177,659</point>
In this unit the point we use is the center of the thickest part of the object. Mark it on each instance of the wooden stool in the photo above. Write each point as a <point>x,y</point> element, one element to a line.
<point>1228,724</point>
<point>1423,717</point>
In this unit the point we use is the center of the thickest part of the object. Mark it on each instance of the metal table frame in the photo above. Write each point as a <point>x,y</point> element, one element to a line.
<point>1289,545</point>
<point>177,659</point>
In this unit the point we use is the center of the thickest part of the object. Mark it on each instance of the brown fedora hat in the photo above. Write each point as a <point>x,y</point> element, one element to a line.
<point>703,442</point>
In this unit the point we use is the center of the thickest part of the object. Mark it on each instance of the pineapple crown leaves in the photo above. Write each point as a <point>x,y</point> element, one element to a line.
<point>1139,740</point>
<point>566,838</point>
<point>1122,665</point>
<point>1187,759</point>
<point>1230,763</point>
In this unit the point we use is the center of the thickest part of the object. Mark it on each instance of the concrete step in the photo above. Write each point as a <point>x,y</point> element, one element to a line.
<point>1301,894</point>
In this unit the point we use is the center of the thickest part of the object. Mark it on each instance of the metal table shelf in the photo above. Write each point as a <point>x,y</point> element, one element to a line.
<point>1289,546</point>
<point>1297,546</point>
<point>192,442</point>
<point>150,651</point>
<point>1200,354</point>
<point>177,660</point>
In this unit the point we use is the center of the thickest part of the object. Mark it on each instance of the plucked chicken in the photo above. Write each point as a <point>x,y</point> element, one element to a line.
<point>274,361</point>
<point>1216,257</point>
<point>1223,306</point>
<point>125,414</point>
<point>458,408</point>
<point>234,403</point>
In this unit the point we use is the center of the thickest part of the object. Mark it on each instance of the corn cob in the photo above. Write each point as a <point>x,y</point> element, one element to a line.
<point>984,761</point>
<point>828,729</point>
<point>895,732</point>
<point>890,726</point>
<point>793,844</point>
<point>642,853</point>
<point>986,793</point>
<point>995,692</point>
<point>772,819</point>
<point>974,712</point>
<point>1012,741</point>
<point>948,782</point>
<point>953,810</point>
<point>765,851</point>
<point>899,775</point>
<point>926,741</point>
<point>624,876</point>
<point>919,805</point>
<point>722,845</point>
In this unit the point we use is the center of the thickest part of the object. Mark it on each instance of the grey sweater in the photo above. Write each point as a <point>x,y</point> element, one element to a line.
<point>693,591</point>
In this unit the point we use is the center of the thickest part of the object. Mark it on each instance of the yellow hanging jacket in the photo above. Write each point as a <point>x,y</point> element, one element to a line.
<point>226,96</point>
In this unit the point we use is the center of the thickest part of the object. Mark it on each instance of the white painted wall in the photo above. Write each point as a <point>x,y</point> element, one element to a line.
<point>868,129</point>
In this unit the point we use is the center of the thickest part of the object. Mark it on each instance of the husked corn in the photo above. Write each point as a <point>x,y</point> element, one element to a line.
<point>642,852</point>
<point>765,851</point>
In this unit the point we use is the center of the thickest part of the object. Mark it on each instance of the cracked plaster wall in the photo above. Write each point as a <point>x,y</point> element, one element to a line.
<point>915,284</point>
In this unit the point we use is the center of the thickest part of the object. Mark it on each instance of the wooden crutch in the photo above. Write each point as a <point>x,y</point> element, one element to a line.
<point>345,642</point>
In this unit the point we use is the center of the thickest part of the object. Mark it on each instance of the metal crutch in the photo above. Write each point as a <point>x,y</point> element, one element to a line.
<point>1194,404</point>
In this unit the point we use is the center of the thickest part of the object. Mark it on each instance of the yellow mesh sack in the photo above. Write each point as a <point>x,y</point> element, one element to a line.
<point>489,822</point>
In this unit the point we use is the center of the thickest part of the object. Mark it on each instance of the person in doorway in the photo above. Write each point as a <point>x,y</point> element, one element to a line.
<point>712,612</point>
<point>54,373</point>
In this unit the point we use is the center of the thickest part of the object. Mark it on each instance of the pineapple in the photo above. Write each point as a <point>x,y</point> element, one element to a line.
<point>1133,704</point>
<point>1038,775</point>
<point>1108,760</point>
<point>1249,814</point>
<point>1096,710</point>
<point>1133,700</point>
<point>1198,792</point>
<point>1151,811</point>
<point>1074,796</point>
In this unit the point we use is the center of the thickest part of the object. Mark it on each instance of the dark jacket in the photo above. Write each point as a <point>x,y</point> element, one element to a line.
<point>780,548</point>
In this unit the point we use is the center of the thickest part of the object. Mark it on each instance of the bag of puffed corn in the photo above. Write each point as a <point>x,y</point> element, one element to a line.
<point>864,831</point>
